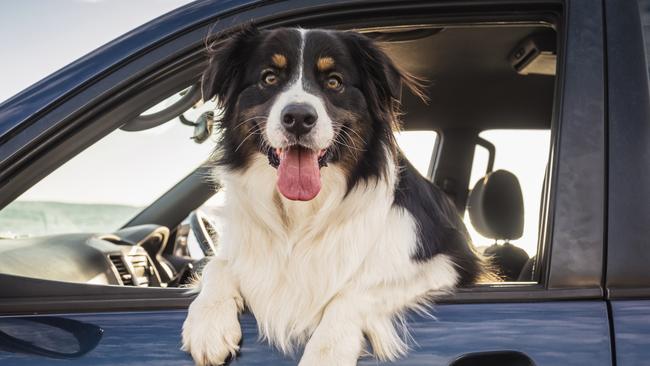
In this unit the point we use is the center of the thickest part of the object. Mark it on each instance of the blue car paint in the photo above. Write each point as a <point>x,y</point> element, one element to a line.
<point>551,334</point>
<point>631,330</point>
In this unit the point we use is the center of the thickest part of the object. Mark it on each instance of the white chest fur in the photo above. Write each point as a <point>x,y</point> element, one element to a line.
<point>292,258</point>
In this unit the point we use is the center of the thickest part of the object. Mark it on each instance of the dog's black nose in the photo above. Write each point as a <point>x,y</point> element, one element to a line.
<point>298,119</point>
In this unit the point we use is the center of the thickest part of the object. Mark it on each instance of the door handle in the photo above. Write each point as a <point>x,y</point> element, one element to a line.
<point>493,358</point>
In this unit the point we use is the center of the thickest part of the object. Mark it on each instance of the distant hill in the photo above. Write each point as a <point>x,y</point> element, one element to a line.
<point>34,218</point>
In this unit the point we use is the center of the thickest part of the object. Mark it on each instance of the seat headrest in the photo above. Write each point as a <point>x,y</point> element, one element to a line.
<point>496,206</point>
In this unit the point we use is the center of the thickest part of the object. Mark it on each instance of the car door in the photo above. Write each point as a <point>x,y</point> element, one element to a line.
<point>560,319</point>
<point>628,279</point>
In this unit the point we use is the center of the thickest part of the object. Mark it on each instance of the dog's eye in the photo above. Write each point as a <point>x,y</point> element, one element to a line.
<point>334,82</point>
<point>269,77</point>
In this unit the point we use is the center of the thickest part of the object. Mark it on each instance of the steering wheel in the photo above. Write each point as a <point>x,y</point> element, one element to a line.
<point>204,232</point>
<point>206,236</point>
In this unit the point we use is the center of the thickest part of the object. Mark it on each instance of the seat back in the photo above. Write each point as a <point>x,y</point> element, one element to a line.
<point>496,210</point>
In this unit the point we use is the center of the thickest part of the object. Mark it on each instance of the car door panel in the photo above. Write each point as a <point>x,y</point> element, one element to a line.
<point>632,327</point>
<point>549,333</point>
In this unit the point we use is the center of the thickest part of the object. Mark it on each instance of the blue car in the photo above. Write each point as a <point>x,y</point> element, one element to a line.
<point>107,211</point>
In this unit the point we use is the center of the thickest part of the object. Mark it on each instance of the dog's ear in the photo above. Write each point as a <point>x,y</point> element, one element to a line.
<point>227,58</point>
<point>381,78</point>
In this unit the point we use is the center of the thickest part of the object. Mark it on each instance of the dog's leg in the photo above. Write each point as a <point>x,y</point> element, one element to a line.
<point>338,339</point>
<point>211,331</point>
<point>376,312</point>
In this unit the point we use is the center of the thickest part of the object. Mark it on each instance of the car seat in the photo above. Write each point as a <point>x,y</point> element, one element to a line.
<point>496,210</point>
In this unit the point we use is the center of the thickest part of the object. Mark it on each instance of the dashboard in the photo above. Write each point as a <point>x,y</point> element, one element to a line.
<point>133,256</point>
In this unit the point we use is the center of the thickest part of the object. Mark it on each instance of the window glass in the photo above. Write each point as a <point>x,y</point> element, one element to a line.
<point>418,148</point>
<point>525,154</point>
<point>104,186</point>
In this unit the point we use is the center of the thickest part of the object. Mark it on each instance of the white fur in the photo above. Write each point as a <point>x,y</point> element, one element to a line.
<point>321,273</point>
<point>321,135</point>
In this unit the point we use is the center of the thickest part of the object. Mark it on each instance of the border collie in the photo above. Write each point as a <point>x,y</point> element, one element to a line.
<point>331,235</point>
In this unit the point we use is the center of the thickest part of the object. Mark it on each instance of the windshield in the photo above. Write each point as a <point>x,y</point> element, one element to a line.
<point>104,186</point>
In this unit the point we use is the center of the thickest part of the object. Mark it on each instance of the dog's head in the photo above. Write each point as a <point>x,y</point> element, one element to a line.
<point>305,99</point>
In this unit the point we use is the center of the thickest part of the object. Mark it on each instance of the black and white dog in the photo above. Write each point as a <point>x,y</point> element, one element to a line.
<point>331,235</point>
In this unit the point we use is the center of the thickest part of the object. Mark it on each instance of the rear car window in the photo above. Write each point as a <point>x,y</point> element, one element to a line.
<point>418,147</point>
<point>525,154</point>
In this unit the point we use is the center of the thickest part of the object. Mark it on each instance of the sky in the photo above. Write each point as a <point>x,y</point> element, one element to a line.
<point>40,36</point>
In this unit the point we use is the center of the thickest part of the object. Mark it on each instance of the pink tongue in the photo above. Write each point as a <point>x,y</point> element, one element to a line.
<point>298,174</point>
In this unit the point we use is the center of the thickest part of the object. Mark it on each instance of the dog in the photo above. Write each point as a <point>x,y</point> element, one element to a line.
<point>331,235</point>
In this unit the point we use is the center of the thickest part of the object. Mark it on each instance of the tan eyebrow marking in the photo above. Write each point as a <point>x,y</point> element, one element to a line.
<point>279,60</point>
<point>325,63</point>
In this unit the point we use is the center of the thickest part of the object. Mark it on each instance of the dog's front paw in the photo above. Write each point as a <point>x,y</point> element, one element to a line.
<point>211,332</point>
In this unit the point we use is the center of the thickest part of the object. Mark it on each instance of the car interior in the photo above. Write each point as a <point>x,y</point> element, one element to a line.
<point>481,77</point>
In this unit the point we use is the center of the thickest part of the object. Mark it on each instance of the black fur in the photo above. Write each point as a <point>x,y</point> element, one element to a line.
<point>223,78</point>
<point>380,83</point>
<point>440,228</point>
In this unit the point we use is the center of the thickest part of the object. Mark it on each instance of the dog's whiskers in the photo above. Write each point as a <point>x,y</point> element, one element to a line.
<point>350,139</point>
<point>257,130</point>
<point>354,148</point>
<point>348,128</point>
<point>249,119</point>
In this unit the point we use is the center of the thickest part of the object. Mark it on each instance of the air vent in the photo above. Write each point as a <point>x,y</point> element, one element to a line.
<point>120,266</point>
<point>141,269</point>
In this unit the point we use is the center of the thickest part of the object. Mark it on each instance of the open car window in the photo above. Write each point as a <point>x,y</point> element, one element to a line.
<point>121,175</point>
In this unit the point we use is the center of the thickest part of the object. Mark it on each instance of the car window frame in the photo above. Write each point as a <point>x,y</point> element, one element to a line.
<point>177,63</point>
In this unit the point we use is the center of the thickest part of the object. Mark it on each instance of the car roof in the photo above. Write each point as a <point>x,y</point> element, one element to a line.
<point>471,81</point>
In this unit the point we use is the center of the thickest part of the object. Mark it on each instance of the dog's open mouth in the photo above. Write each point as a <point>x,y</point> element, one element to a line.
<point>298,171</point>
